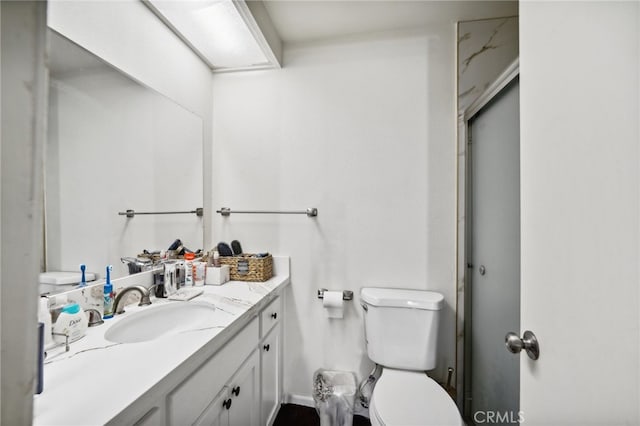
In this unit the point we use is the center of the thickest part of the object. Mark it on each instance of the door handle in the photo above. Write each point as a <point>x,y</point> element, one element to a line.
<point>529,343</point>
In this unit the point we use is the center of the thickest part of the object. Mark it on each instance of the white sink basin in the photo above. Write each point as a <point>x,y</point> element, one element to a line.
<point>153,322</point>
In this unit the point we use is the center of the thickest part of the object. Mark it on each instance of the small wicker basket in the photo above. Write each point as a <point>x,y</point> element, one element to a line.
<point>246,267</point>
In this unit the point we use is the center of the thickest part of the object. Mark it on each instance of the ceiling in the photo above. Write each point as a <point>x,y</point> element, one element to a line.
<point>312,20</point>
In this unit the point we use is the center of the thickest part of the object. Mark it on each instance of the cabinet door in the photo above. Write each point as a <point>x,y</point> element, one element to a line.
<point>270,371</point>
<point>217,413</point>
<point>188,401</point>
<point>244,390</point>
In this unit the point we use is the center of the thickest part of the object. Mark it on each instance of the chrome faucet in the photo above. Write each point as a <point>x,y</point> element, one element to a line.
<point>95,318</point>
<point>144,296</point>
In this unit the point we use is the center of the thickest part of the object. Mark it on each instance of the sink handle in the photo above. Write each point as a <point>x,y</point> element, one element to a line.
<point>94,317</point>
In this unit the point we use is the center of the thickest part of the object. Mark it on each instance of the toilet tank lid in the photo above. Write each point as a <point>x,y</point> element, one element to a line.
<point>402,298</point>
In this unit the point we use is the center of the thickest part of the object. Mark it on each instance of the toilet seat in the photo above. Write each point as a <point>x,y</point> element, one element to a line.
<point>407,398</point>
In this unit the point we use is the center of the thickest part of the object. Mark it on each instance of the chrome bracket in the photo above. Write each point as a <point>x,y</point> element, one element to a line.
<point>346,294</point>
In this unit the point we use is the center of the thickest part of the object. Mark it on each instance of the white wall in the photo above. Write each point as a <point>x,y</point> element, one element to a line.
<point>130,37</point>
<point>580,211</point>
<point>362,129</point>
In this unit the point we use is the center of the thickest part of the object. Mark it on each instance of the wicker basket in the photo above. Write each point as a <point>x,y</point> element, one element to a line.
<point>248,268</point>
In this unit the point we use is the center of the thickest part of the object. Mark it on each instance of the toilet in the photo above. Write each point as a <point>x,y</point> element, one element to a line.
<point>401,330</point>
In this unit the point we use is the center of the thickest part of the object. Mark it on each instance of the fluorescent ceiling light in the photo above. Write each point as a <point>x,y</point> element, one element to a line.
<point>215,29</point>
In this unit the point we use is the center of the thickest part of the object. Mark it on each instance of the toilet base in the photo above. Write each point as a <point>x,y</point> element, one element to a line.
<point>407,398</point>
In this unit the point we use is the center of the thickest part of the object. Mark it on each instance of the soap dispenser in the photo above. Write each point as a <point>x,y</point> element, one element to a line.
<point>108,295</point>
<point>72,323</point>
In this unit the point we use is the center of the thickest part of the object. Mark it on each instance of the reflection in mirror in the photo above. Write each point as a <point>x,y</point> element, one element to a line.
<point>114,144</point>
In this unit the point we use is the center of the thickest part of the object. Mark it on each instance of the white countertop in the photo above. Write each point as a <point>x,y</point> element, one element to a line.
<point>97,379</point>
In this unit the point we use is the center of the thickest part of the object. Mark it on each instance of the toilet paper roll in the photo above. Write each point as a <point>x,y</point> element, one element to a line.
<point>333,304</point>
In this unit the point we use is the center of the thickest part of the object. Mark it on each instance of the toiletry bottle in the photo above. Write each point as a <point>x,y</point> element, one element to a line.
<point>180,275</point>
<point>188,269</point>
<point>44,316</point>
<point>108,295</point>
<point>72,321</point>
<point>169,279</point>
<point>216,259</point>
<point>158,281</point>
<point>83,281</point>
<point>199,272</point>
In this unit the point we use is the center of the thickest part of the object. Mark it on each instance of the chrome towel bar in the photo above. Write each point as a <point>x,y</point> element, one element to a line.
<point>311,211</point>
<point>131,213</point>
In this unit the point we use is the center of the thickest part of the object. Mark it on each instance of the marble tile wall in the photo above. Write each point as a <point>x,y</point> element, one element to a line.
<point>485,49</point>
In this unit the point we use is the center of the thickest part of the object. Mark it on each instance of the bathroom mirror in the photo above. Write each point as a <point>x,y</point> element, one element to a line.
<point>114,144</point>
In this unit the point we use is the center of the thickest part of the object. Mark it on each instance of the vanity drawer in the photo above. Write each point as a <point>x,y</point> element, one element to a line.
<point>270,316</point>
<point>189,399</point>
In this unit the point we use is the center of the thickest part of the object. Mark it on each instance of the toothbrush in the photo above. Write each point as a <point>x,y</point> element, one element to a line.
<point>83,281</point>
<point>109,268</point>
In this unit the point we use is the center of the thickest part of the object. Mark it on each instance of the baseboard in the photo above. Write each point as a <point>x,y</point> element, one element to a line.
<point>307,401</point>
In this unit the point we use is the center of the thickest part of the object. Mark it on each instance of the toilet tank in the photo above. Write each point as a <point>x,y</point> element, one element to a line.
<point>401,327</point>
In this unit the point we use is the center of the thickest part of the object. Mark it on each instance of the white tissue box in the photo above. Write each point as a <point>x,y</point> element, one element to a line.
<point>217,276</point>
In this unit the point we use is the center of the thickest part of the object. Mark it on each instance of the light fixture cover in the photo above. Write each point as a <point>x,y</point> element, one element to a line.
<point>215,29</point>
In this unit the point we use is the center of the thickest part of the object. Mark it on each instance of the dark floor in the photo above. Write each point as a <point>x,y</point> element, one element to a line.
<point>298,415</point>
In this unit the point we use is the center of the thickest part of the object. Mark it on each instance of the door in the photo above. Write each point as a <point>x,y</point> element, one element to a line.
<point>493,382</point>
<point>580,181</point>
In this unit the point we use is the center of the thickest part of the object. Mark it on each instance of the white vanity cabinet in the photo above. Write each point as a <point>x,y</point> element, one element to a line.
<point>270,361</point>
<point>239,385</point>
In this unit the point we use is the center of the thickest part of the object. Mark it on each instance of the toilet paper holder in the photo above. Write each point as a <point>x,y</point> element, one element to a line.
<point>346,294</point>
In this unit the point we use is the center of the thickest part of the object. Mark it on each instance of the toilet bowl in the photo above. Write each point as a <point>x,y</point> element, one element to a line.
<point>409,398</point>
